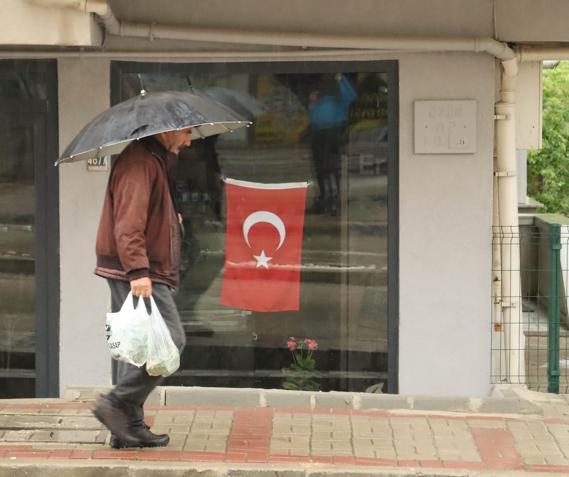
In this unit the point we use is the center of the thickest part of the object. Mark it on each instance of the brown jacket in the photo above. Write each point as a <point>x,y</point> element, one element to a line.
<point>139,234</point>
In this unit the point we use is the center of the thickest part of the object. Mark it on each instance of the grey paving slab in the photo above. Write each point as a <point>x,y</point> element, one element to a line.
<point>17,435</point>
<point>183,418</point>
<point>42,421</point>
<point>334,400</point>
<point>289,399</point>
<point>77,436</point>
<point>368,402</point>
<point>212,397</point>
<point>441,403</point>
<point>164,417</point>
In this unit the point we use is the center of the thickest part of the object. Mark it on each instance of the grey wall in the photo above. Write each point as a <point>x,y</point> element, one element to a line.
<point>402,18</point>
<point>361,17</point>
<point>531,20</point>
<point>445,247</point>
<point>84,359</point>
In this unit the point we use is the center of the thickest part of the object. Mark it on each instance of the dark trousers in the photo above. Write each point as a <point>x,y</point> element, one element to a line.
<point>135,384</point>
<point>326,144</point>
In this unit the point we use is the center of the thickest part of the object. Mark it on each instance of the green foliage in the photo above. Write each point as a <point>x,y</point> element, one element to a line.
<point>302,375</point>
<point>301,378</point>
<point>548,169</point>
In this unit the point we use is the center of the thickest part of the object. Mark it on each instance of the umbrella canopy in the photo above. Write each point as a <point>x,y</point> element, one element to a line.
<point>240,102</point>
<point>148,114</point>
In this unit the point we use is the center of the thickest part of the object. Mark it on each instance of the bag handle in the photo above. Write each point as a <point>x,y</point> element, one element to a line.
<point>128,304</point>
<point>153,305</point>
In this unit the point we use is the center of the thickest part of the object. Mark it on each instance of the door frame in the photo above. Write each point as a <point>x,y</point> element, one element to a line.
<point>389,67</point>
<point>46,198</point>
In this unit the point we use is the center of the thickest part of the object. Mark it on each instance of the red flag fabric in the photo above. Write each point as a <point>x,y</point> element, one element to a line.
<point>263,245</point>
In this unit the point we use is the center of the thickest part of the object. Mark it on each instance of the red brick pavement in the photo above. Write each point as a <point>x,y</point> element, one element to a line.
<point>249,441</point>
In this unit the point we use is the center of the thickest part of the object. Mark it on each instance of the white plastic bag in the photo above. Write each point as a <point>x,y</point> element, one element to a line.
<point>163,355</point>
<point>127,332</point>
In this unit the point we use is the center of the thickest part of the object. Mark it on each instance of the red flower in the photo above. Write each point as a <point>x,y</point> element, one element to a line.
<point>312,344</point>
<point>291,344</point>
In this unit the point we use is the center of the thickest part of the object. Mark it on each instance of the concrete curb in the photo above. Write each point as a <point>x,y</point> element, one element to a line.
<point>176,469</point>
<point>501,403</point>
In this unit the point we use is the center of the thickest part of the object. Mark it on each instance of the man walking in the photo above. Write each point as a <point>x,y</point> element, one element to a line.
<point>138,250</point>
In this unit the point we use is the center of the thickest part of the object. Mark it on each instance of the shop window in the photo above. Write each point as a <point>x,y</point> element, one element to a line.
<point>310,123</point>
<point>28,229</point>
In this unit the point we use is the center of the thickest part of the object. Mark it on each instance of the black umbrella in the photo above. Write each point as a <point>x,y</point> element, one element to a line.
<point>240,102</point>
<point>147,114</point>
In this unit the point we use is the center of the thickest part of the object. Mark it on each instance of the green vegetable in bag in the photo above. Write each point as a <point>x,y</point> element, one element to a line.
<point>163,355</point>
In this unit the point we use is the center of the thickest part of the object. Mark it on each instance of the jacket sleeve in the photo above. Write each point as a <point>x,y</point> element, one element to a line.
<point>131,188</point>
<point>346,92</point>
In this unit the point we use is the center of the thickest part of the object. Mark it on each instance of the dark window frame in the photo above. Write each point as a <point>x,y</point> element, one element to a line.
<point>46,198</point>
<point>389,67</point>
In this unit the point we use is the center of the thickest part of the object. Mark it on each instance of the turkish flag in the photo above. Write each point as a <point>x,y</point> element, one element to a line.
<point>263,245</point>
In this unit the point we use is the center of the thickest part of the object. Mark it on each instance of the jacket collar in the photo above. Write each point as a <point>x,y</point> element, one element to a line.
<point>155,147</point>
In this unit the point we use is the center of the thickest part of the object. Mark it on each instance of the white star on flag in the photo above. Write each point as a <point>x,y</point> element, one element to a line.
<point>262,260</point>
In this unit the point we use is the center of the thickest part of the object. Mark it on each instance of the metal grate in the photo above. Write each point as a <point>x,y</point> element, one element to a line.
<point>530,316</point>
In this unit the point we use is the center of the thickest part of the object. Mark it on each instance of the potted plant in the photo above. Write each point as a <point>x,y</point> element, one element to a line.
<point>302,375</point>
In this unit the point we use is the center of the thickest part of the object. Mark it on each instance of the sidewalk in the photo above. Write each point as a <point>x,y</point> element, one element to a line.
<point>60,437</point>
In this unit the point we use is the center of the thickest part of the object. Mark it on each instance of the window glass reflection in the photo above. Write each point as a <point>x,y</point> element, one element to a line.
<point>17,260</point>
<point>22,85</point>
<point>326,128</point>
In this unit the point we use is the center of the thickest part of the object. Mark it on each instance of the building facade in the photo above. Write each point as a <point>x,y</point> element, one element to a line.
<point>397,254</point>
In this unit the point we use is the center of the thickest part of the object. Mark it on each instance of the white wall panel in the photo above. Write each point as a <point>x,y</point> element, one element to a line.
<point>84,360</point>
<point>22,23</point>
<point>445,248</point>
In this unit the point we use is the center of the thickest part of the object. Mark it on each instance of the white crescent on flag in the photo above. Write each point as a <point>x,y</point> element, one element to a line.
<point>266,217</point>
<point>263,216</point>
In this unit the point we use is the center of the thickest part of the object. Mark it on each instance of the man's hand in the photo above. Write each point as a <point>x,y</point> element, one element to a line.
<point>141,287</point>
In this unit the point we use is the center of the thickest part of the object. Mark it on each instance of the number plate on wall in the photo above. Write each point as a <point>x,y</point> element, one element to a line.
<point>445,127</point>
<point>98,164</point>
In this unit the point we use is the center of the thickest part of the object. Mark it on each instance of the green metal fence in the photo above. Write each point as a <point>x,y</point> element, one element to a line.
<point>530,322</point>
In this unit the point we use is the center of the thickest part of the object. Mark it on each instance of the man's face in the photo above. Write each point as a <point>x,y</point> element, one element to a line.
<point>176,140</point>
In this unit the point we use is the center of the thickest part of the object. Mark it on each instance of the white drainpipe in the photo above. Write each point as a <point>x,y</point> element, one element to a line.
<point>542,54</point>
<point>508,229</point>
<point>499,368</point>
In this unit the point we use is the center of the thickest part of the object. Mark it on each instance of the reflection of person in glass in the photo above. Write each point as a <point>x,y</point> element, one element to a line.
<point>329,106</point>
<point>199,191</point>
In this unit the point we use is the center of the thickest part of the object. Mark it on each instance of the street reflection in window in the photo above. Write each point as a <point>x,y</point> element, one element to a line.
<point>326,128</point>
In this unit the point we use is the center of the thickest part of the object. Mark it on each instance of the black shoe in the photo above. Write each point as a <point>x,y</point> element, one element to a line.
<point>121,420</point>
<point>135,413</point>
<point>114,417</point>
<point>148,439</point>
